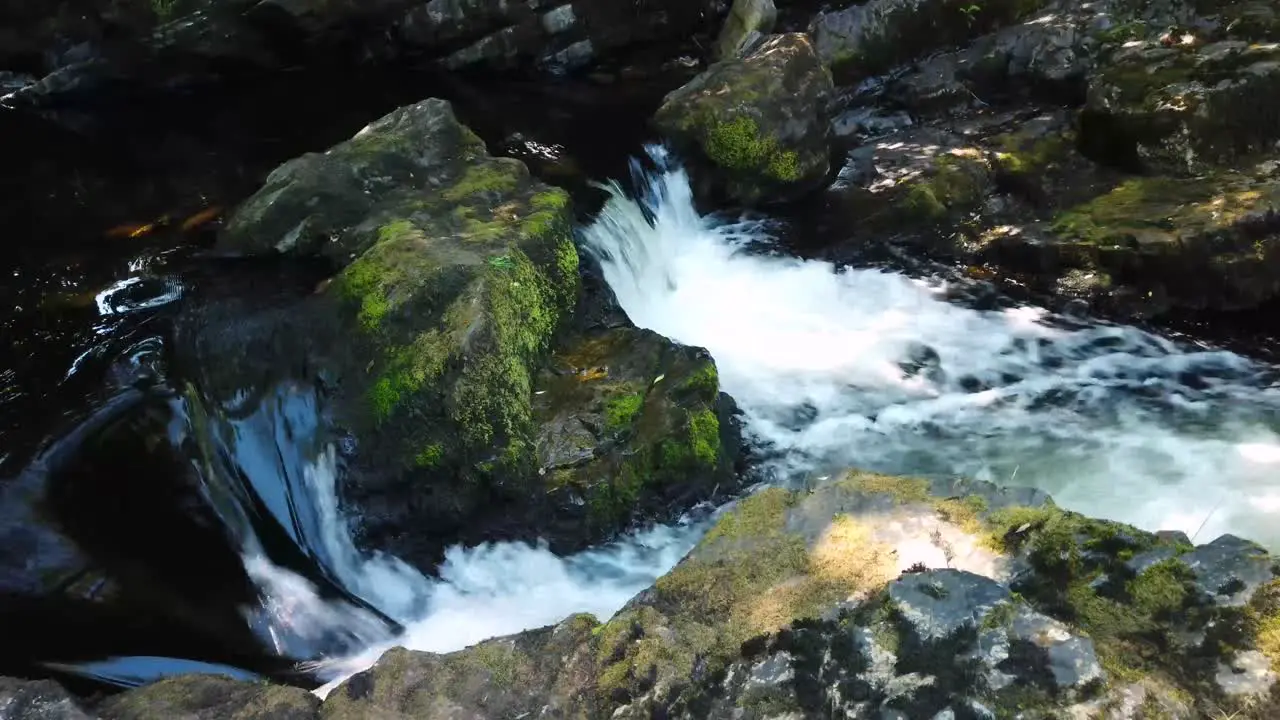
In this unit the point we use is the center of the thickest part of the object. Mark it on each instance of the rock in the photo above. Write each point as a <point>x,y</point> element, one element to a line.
<point>1183,108</point>
<point>477,402</point>
<point>546,672</point>
<point>1229,570</point>
<point>748,22</point>
<point>872,37</point>
<point>760,123</point>
<point>11,82</point>
<point>885,597</point>
<point>630,427</point>
<point>457,269</point>
<point>37,700</point>
<point>208,697</point>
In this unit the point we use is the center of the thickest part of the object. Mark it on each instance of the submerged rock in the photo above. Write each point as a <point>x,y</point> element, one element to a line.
<point>760,124</point>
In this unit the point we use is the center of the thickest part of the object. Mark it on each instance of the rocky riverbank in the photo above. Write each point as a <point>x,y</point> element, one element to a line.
<point>480,383</point>
<point>867,596</point>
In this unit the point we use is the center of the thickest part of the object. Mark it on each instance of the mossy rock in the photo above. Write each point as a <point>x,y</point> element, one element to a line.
<point>210,697</point>
<point>632,427</point>
<point>457,272</point>
<point>758,125</point>
<point>1184,109</point>
<point>546,671</point>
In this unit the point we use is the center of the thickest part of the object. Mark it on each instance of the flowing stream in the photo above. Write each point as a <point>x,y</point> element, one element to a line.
<point>832,368</point>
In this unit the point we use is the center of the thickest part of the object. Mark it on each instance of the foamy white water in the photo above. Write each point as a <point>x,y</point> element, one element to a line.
<point>873,369</point>
<point>837,368</point>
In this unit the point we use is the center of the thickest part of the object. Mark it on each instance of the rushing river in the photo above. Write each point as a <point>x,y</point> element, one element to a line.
<point>832,368</point>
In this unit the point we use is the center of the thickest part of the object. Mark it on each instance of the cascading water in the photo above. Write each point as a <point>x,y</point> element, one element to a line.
<point>837,368</point>
<point>832,368</point>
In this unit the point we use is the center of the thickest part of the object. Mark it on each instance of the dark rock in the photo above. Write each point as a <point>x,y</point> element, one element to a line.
<point>37,700</point>
<point>211,697</point>
<point>759,125</point>
<point>935,605</point>
<point>1229,570</point>
<point>872,37</point>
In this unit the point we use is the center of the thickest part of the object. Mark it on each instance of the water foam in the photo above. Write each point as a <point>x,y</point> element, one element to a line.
<point>874,369</point>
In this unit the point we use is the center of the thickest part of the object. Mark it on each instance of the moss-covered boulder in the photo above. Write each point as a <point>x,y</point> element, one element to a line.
<point>1177,105</point>
<point>456,271</point>
<point>872,37</point>
<point>758,125</point>
<point>1209,243</point>
<point>541,673</point>
<point>211,697</point>
<point>631,427</point>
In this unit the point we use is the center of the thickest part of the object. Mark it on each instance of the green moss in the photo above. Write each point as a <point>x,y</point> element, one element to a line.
<point>760,516</point>
<point>902,489</point>
<point>621,411</point>
<point>492,177</point>
<point>704,437</point>
<point>430,456</point>
<point>738,145</point>
<point>1000,616</point>
<point>704,381</point>
<point>1023,156</point>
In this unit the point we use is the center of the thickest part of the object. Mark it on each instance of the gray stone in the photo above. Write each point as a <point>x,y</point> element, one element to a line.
<point>748,21</point>
<point>1248,674</point>
<point>937,603</point>
<point>1229,569</point>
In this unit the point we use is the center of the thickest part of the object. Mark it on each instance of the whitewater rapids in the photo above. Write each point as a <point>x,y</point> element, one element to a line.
<point>835,368</point>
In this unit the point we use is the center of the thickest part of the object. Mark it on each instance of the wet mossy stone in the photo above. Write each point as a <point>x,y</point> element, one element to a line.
<point>457,271</point>
<point>210,697</point>
<point>631,427</point>
<point>759,126</point>
<point>38,700</point>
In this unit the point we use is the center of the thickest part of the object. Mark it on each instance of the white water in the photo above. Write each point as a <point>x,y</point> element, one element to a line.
<point>1114,422</point>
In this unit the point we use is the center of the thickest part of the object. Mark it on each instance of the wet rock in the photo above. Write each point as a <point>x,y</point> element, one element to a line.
<point>457,269</point>
<point>748,22</point>
<point>759,124</point>
<point>37,700</point>
<point>631,426</point>
<point>546,672</point>
<point>11,82</point>
<point>211,696</point>
<point>1229,570</point>
<point>877,596</point>
<point>872,37</point>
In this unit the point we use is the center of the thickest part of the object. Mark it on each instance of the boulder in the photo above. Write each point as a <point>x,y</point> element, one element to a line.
<point>759,124</point>
<point>748,22</point>
<point>470,396</point>
<point>38,700</point>
<point>864,596</point>
<point>630,427</point>
<point>547,672</point>
<point>211,697</point>
<point>1182,107</point>
<point>872,37</point>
